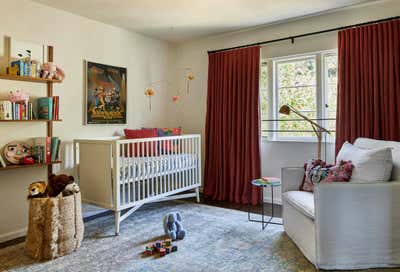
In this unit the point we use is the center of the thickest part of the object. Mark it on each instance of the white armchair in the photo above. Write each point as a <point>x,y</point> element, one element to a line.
<point>345,225</point>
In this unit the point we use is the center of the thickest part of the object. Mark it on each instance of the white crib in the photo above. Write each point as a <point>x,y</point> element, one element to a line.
<point>123,174</point>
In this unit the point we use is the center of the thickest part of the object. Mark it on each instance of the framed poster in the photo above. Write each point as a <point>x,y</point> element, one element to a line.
<point>106,94</point>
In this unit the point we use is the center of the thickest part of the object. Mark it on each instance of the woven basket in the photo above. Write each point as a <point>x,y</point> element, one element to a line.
<point>55,226</point>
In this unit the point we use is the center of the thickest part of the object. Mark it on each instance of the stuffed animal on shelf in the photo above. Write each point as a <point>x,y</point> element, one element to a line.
<point>58,183</point>
<point>51,71</point>
<point>37,190</point>
<point>173,226</point>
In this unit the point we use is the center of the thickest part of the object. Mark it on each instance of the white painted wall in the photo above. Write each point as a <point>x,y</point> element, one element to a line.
<point>76,39</point>
<point>191,111</point>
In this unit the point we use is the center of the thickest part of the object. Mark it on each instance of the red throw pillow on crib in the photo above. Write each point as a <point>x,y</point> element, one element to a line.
<point>138,147</point>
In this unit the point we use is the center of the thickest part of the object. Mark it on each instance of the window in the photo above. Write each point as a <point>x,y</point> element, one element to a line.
<point>309,84</point>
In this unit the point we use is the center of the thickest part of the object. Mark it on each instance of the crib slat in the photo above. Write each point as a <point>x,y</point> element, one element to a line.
<point>146,178</point>
<point>190,162</point>
<point>129,151</point>
<point>123,174</point>
<point>134,172</point>
<point>164,167</point>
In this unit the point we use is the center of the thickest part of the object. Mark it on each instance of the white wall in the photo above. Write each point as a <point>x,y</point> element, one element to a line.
<point>192,109</point>
<point>76,39</point>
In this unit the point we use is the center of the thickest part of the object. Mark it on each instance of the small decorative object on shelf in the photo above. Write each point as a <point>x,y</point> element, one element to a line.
<point>49,70</point>
<point>15,152</point>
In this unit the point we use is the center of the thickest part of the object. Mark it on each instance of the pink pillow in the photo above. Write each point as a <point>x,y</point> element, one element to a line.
<point>318,171</point>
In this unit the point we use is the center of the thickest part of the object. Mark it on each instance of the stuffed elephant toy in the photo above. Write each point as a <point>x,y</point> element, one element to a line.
<point>173,226</point>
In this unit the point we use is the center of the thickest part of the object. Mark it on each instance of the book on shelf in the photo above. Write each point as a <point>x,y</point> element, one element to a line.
<point>46,149</point>
<point>19,110</point>
<point>48,107</point>
<point>45,108</point>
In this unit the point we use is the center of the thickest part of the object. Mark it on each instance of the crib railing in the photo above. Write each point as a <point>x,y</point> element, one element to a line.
<point>148,168</point>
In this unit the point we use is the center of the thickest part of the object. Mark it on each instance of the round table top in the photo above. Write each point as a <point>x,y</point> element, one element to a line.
<point>267,181</point>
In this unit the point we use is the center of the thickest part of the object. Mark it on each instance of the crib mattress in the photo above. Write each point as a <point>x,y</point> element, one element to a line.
<point>139,168</point>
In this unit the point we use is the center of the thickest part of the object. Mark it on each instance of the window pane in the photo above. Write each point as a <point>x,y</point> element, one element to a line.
<point>299,98</point>
<point>302,128</point>
<point>331,91</point>
<point>331,66</point>
<point>297,73</point>
<point>263,75</point>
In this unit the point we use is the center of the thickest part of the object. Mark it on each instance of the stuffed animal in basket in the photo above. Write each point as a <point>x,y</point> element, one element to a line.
<point>62,184</point>
<point>173,226</point>
<point>70,189</point>
<point>37,190</point>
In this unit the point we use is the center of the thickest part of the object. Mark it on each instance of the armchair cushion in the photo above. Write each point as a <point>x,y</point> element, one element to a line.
<point>301,201</point>
<point>370,165</point>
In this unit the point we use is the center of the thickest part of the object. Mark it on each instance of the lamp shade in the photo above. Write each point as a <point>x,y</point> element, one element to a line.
<point>284,109</point>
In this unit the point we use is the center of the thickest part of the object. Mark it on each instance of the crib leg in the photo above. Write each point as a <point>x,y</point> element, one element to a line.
<point>116,219</point>
<point>197,194</point>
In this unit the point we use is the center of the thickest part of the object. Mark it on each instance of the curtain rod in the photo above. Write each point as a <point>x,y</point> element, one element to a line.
<point>305,35</point>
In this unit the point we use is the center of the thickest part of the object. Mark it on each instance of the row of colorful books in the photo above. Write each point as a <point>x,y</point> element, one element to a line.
<point>24,67</point>
<point>49,107</point>
<point>21,110</point>
<point>46,149</point>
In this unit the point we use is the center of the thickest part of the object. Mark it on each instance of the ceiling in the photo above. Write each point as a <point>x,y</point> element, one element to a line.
<point>181,20</point>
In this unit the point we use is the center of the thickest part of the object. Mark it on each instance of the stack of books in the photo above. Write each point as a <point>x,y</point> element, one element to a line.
<point>24,67</point>
<point>20,110</point>
<point>46,149</point>
<point>48,107</point>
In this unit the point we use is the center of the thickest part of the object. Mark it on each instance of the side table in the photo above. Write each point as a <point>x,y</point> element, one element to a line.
<point>271,182</point>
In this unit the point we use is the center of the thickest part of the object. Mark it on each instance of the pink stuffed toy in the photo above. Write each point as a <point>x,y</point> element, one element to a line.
<point>51,71</point>
<point>18,96</point>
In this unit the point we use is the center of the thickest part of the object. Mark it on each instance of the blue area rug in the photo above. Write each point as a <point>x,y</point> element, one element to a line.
<point>217,240</point>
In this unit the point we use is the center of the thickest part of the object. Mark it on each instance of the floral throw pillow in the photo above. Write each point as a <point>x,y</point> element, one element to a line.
<point>318,171</point>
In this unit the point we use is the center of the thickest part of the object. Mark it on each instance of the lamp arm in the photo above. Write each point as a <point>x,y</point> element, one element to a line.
<point>309,120</point>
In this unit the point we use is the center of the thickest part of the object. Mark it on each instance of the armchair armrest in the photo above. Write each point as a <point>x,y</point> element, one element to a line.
<point>354,218</point>
<point>292,178</point>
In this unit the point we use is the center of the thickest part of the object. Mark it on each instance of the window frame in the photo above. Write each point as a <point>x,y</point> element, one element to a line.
<point>273,97</point>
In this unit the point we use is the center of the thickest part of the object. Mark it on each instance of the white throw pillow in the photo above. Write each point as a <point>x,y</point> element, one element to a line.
<point>370,165</point>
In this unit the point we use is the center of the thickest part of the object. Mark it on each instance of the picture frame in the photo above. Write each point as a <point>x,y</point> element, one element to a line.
<point>106,94</point>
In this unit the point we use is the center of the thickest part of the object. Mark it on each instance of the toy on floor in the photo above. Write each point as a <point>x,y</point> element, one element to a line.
<point>161,247</point>
<point>173,226</point>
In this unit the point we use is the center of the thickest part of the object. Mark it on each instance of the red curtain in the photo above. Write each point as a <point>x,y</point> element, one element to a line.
<point>233,126</point>
<point>369,83</point>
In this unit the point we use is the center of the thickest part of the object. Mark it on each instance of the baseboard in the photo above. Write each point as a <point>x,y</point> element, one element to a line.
<point>277,200</point>
<point>13,235</point>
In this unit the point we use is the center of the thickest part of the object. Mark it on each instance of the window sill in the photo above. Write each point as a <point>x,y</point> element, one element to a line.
<point>299,140</point>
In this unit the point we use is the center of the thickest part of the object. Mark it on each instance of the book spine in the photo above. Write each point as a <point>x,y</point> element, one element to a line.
<point>48,150</point>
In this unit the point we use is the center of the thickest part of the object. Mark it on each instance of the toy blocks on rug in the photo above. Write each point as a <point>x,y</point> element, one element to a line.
<point>162,247</point>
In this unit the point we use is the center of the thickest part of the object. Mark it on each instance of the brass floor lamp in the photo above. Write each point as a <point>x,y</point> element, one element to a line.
<point>287,109</point>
